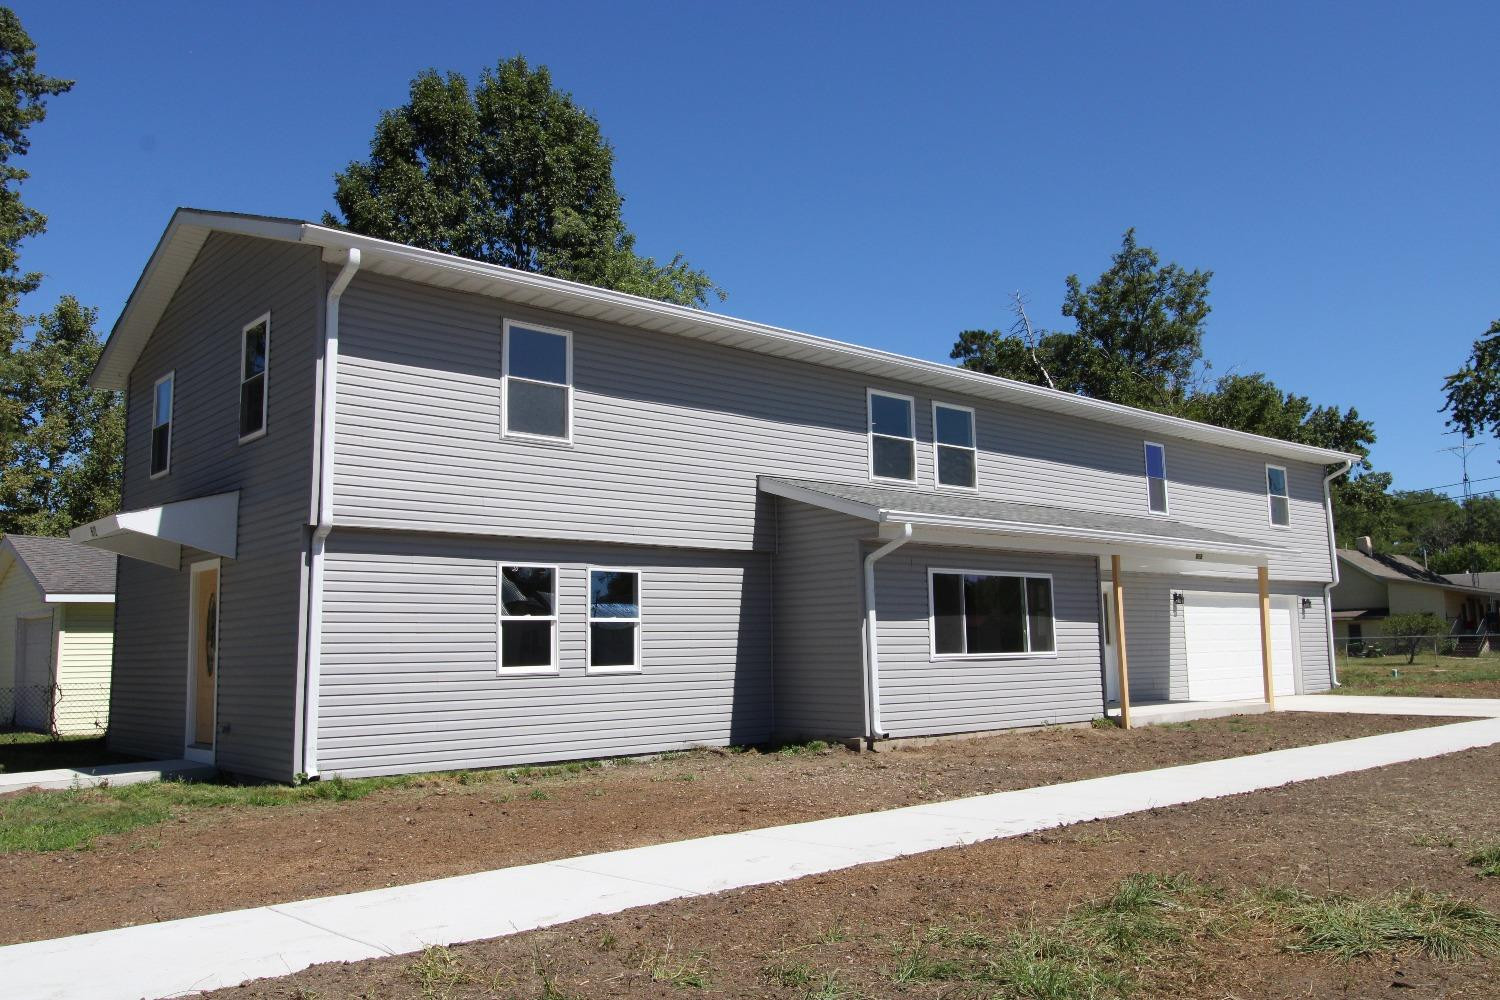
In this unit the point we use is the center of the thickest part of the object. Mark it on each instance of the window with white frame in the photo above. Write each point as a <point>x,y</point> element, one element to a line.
<point>954,445</point>
<point>614,620</point>
<point>991,614</point>
<point>1156,478</point>
<point>255,355</point>
<point>893,443</point>
<point>537,369</point>
<point>528,618</point>
<point>1276,493</point>
<point>161,425</point>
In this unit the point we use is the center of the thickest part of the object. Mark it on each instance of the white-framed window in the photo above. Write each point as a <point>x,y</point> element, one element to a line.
<point>255,361</point>
<point>161,424</point>
<point>1156,477</point>
<point>893,440</point>
<point>984,614</point>
<point>955,453</point>
<point>1277,498</point>
<point>614,619</point>
<point>536,382</point>
<point>528,618</point>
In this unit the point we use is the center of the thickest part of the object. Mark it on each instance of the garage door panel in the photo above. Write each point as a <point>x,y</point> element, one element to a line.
<point>1222,633</point>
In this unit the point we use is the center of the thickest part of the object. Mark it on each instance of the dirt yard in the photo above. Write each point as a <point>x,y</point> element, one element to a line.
<point>226,857</point>
<point>1250,891</point>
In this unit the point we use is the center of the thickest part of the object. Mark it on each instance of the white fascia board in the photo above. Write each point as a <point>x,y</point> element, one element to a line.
<point>80,598</point>
<point>841,505</point>
<point>157,534</point>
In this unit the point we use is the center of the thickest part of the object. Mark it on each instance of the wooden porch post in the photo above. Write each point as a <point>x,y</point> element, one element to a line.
<point>1264,578</point>
<point>1117,597</point>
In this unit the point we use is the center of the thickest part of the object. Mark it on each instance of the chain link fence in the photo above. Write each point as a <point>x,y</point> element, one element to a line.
<point>66,710</point>
<point>1416,650</point>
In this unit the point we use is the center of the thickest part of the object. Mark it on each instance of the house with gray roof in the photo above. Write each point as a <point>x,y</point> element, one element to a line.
<point>390,510</point>
<point>56,634</point>
<point>1375,585</point>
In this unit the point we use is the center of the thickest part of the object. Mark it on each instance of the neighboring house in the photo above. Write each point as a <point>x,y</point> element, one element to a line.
<point>57,619</point>
<point>1480,581</point>
<point>1375,585</point>
<point>390,510</point>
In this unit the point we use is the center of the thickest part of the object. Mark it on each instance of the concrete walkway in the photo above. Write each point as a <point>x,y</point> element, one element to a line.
<point>105,774</point>
<point>200,953</point>
<point>1359,704</point>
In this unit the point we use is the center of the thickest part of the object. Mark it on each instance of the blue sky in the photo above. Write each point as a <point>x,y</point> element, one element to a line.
<point>880,173</point>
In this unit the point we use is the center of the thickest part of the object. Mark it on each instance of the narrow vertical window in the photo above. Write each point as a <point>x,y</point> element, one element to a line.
<point>1281,511</point>
<point>953,442</point>
<point>528,619</point>
<point>893,444</point>
<point>255,355</point>
<point>161,425</point>
<point>614,620</point>
<point>1156,478</point>
<point>537,371</point>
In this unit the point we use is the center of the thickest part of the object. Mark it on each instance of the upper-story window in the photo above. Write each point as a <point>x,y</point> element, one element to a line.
<point>161,425</point>
<point>1156,478</point>
<point>1276,495</point>
<point>537,392</point>
<point>953,444</point>
<point>255,354</point>
<point>893,443</point>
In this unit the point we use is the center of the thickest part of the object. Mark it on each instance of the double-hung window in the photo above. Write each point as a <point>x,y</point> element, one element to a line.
<point>991,614</point>
<point>893,442</point>
<point>528,619</point>
<point>953,445</point>
<point>1156,478</point>
<point>614,621</point>
<point>161,425</point>
<point>255,355</point>
<point>1276,496</point>
<point>537,376</point>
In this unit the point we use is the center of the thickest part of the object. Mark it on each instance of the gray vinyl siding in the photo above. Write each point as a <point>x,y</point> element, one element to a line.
<point>409,679</point>
<point>819,672</point>
<point>233,281</point>
<point>921,695</point>
<point>670,434</point>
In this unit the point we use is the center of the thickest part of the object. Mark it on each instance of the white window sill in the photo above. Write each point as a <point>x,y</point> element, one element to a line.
<point>527,672</point>
<point>253,437</point>
<point>941,657</point>
<point>606,671</point>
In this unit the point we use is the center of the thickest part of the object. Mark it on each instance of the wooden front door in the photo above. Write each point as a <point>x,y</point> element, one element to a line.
<point>205,653</point>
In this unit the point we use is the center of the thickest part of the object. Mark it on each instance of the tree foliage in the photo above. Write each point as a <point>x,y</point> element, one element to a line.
<point>1473,391</point>
<point>510,172</point>
<point>1413,629</point>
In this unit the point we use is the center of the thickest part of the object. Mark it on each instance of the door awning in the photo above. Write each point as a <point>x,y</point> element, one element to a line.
<point>1147,542</point>
<point>157,534</point>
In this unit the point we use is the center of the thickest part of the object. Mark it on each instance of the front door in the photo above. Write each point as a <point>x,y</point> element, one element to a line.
<point>205,657</point>
<point>1111,663</point>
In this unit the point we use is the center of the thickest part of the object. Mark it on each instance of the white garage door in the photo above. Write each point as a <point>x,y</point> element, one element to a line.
<point>1223,647</point>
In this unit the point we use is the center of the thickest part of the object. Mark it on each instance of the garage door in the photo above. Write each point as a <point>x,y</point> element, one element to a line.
<point>1223,647</point>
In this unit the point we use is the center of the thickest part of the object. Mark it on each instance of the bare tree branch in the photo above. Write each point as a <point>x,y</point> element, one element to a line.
<point>1022,328</point>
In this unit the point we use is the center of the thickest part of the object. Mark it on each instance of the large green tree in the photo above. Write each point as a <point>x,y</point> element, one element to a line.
<point>510,172</point>
<point>1473,391</point>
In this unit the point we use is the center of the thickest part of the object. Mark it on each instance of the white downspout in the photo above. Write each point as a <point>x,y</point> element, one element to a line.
<point>325,511</point>
<point>1333,567</point>
<point>873,727</point>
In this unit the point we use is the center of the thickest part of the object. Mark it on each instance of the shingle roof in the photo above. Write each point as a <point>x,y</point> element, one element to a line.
<point>1033,515</point>
<point>60,566</point>
<point>1402,569</point>
<point>1484,581</point>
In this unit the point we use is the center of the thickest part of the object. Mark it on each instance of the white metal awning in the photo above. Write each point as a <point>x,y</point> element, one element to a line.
<point>157,534</point>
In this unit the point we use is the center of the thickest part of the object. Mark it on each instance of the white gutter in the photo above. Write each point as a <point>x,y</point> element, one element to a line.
<point>873,727</point>
<point>328,425</point>
<point>1333,566</point>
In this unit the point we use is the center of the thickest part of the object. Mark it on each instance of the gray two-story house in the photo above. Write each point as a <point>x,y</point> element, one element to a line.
<point>390,510</point>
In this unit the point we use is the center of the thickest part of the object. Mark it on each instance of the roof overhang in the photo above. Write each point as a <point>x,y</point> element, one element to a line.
<point>190,228</point>
<point>79,599</point>
<point>158,534</point>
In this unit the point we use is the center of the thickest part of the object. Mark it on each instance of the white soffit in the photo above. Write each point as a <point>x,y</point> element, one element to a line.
<point>157,534</point>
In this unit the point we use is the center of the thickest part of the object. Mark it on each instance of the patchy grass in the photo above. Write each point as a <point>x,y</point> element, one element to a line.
<point>21,752</point>
<point>802,749</point>
<point>1487,859</point>
<point>1430,676</point>
<point>663,966</point>
<point>1411,921</point>
<point>437,972</point>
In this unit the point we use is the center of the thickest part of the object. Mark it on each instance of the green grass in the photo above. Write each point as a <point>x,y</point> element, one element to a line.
<point>1409,921</point>
<point>39,752</point>
<point>437,971</point>
<point>1373,676</point>
<point>1487,859</point>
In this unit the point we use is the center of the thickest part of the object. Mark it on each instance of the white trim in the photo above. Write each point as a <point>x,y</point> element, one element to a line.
<point>870,435</point>
<point>501,618</point>
<point>265,381</point>
<point>79,599</point>
<point>1166,482</point>
<point>589,620</point>
<point>1027,654</point>
<point>937,474</point>
<point>506,376</point>
<point>190,729</point>
<point>170,376</point>
<point>1286,482</point>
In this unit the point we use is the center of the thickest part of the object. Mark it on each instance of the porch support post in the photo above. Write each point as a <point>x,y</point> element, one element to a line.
<point>1264,577</point>
<point>1117,597</point>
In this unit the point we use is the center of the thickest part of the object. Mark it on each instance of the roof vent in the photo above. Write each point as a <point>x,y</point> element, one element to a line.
<point>1365,544</point>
